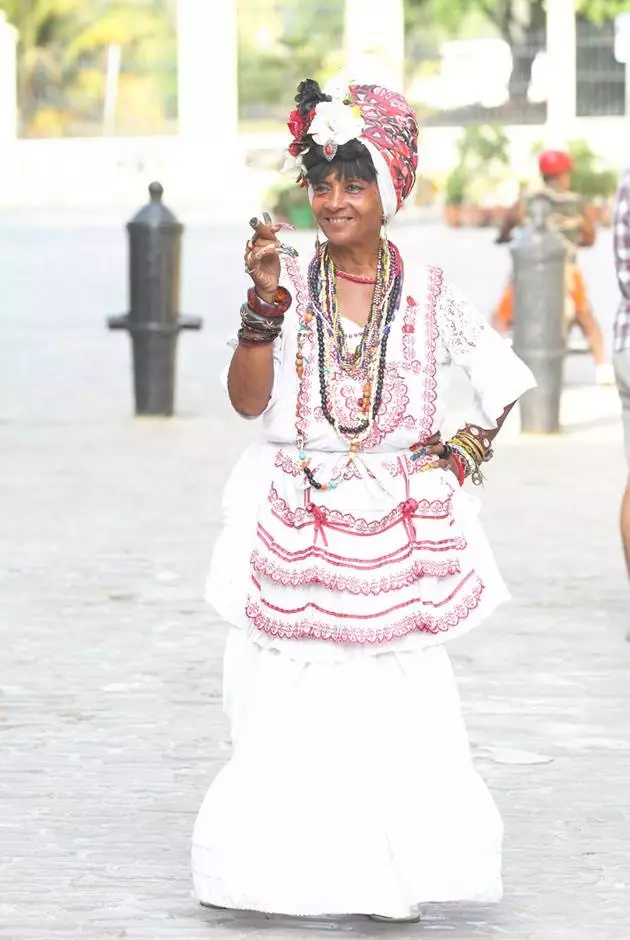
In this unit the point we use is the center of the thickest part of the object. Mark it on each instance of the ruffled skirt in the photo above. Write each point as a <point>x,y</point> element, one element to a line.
<point>351,788</point>
<point>393,558</point>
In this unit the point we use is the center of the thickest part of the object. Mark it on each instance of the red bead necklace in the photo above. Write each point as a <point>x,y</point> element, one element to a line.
<point>355,278</point>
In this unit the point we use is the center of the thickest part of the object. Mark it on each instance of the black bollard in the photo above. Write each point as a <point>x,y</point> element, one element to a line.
<point>153,321</point>
<point>540,324</point>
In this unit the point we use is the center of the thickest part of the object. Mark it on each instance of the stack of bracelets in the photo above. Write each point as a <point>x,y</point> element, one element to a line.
<point>469,449</point>
<point>261,322</point>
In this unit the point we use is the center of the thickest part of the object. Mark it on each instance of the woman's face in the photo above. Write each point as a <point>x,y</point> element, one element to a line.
<point>348,211</point>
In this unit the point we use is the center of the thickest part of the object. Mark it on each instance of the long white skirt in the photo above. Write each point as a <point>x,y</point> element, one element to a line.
<point>351,788</point>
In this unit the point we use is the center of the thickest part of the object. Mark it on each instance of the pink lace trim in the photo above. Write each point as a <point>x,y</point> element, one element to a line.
<point>431,332</point>
<point>290,577</point>
<point>353,525</point>
<point>419,621</point>
<point>292,467</point>
<point>287,464</point>
<point>301,299</point>
<point>409,337</point>
<point>408,468</point>
<point>402,554</point>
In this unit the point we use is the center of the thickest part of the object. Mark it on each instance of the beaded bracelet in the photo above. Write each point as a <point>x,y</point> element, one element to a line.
<point>246,338</point>
<point>265,326</point>
<point>253,317</point>
<point>473,451</point>
<point>282,300</point>
<point>468,463</point>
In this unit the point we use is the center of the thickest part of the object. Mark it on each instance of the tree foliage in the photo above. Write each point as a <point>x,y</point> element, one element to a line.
<point>302,39</point>
<point>521,25</point>
<point>61,51</point>
<point>510,17</point>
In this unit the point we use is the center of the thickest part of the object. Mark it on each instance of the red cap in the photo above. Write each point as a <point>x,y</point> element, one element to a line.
<point>555,162</point>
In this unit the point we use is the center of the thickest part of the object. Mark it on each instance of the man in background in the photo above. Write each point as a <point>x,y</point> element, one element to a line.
<point>572,218</point>
<point>622,338</point>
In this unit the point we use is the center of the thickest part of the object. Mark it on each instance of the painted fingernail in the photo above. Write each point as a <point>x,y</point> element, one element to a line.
<point>284,227</point>
<point>288,250</point>
<point>267,218</point>
<point>254,222</point>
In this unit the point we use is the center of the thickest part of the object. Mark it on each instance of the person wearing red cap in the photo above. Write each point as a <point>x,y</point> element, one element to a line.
<point>572,218</point>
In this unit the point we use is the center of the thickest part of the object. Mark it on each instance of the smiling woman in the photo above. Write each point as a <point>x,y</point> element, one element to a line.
<point>343,566</point>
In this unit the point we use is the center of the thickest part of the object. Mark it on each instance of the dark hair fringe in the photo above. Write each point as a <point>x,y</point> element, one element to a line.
<point>352,161</point>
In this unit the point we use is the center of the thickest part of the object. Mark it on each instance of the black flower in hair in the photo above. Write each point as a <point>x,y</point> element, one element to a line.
<point>309,95</point>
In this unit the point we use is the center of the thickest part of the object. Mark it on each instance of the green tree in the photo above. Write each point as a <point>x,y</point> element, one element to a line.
<point>521,25</point>
<point>301,39</point>
<point>61,44</point>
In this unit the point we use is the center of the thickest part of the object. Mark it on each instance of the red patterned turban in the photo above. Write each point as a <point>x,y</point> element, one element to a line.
<point>380,119</point>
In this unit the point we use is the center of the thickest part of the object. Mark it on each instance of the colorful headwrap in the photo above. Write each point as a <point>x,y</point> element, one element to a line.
<point>380,119</point>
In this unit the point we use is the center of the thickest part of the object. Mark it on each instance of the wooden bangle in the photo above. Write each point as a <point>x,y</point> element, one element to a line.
<point>282,300</point>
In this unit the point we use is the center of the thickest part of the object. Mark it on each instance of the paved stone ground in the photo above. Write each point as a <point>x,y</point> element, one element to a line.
<point>110,721</point>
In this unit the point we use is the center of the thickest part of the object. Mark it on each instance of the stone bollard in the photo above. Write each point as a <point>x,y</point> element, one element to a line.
<point>540,324</point>
<point>153,321</point>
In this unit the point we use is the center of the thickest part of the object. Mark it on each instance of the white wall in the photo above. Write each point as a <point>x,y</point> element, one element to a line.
<point>116,171</point>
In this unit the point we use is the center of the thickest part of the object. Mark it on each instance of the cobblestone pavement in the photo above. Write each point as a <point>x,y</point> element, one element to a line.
<point>110,720</point>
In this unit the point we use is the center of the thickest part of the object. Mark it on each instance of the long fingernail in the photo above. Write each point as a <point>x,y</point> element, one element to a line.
<point>254,222</point>
<point>267,218</point>
<point>284,227</point>
<point>288,250</point>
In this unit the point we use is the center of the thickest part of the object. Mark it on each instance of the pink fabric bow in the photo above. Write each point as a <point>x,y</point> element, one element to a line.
<point>319,521</point>
<point>408,509</point>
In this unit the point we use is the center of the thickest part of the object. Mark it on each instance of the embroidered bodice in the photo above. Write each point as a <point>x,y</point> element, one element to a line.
<point>435,328</point>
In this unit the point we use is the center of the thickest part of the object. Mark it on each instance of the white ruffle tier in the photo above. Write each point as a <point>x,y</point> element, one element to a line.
<point>391,556</point>
<point>350,791</point>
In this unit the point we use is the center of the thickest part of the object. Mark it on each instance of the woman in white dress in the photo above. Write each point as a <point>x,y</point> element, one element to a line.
<point>350,554</point>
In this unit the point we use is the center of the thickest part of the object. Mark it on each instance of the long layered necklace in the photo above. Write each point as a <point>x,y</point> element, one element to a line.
<point>368,358</point>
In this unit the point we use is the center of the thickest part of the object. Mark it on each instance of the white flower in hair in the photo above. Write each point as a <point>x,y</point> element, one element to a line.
<point>337,88</point>
<point>334,124</point>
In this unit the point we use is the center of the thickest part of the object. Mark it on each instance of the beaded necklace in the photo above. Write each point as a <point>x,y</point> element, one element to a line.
<point>355,278</point>
<point>369,357</point>
<point>358,359</point>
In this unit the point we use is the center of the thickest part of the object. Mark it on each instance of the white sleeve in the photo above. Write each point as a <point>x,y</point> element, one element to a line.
<point>278,347</point>
<point>497,375</point>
